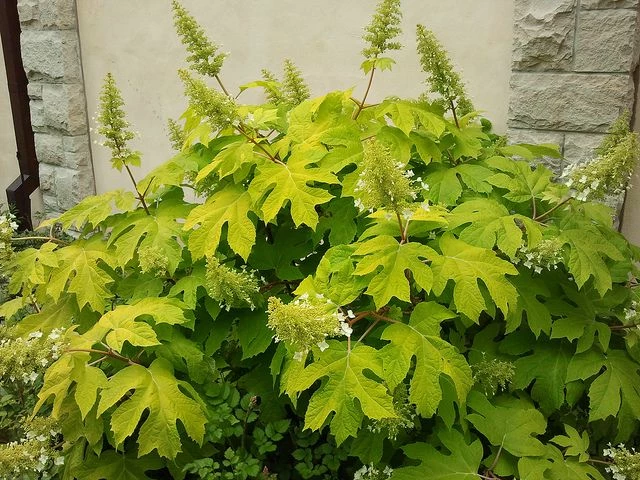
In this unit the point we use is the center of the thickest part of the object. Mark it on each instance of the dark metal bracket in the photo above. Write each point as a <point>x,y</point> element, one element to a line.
<point>18,193</point>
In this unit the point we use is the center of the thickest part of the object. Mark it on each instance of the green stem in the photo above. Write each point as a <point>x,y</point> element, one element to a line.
<point>534,210</point>
<point>550,211</point>
<point>274,159</point>
<point>105,353</point>
<point>366,94</point>
<point>623,327</point>
<point>226,92</point>
<point>39,239</point>
<point>453,110</point>
<point>135,186</point>
<point>402,230</point>
<point>368,330</point>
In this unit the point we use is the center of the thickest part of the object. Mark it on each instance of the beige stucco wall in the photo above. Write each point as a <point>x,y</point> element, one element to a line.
<point>8,163</point>
<point>135,40</point>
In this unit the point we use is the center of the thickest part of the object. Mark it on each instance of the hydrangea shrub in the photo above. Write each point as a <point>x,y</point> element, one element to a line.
<point>360,290</point>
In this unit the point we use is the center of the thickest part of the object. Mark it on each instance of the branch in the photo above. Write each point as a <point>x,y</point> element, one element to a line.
<point>624,327</point>
<point>39,239</point>
<point>403,235</point>
<point>368,330</point>
<point>366,93</point>
<point>34,303</point>
<point>226,92</point>
<point>453,110</point>
<point>135,186</point>
<point>549,212</point>
<point>534,210</point>
<point>105,353</point>
<point>241,129</point>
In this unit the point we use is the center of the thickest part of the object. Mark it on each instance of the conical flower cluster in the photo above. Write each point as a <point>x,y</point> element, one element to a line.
<point>114,127</point>
<point>610,172</point>
<point>380,34</point>
<point>383,182</point>
<point>442,77</point>
<point>203,53</point>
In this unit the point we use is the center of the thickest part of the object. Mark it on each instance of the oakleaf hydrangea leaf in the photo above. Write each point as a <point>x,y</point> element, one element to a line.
<point>230,206</point>
<point>576,445</point>
<point>276,185</point>
<point>587,257</point>
<point>466,265</point>
<point>346,391</point>
<point>159,232</point>
<point>523,182</point>
<point>616,391</point>
<point>529,305</point>
<point>462,462</point>
<point>446,183</point>
<point>420,338</point>
<point>30,266</point>
<point>157,391</point>
<point>547,368</point>
<point>512,425</point>
<point>94,210</point>
<point>80,273</point>
<point>120,325</point>
<point>112,465</point>
<point>394,258</point>
<point>72,368</point>
<point>488,224</point>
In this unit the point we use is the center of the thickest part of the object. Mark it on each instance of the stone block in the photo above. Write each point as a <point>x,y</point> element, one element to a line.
<point>50,206</point>
<point>36,107</point>
<point>34,90</point>
<point>77,151</point>
<point>29,13</point>
<point>49,149</point>
<point>48,178</point>
<point>543,34</point>
<point>537,137</point>
<point>72,186</point>
<point>59,14</point>
<point>606,41</point>
<point>51,56</point>
<point>602,4</point>
<point>65,108</point>
<point>575,102</point>
<point>580,147</point>
<point>47,14</point>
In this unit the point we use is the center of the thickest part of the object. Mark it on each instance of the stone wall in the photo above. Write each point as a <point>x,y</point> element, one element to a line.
<point>572,72</point>
<point>51,57</point>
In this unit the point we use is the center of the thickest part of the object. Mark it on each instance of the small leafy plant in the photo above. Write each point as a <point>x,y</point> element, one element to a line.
<point>367,291</point>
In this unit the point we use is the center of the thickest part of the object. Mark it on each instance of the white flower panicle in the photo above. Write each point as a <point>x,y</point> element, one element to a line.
<point>232,288</point>
<point>383,182</point>
<point>307,322</point>
<point>493,375</point>
<point>35,453</point>
<point>153,261</point>
<point>626,463</point>
<point>405,419</point>
<point>610,172</point>
<point>371,472</point>
<point>23,360</point>
<point>384,28</point>
<point>632,314</point>
<point>546,255</point>
<point>8,226</point>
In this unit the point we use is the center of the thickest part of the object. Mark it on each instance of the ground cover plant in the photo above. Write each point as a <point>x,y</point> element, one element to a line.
<point>366,291</point>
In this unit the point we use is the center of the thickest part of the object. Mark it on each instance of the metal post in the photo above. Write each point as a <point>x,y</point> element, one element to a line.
<point>19,191</point>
